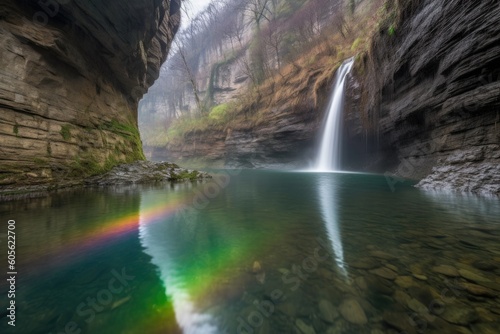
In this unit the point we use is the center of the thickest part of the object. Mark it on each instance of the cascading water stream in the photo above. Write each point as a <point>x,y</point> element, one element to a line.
<point>329,153</point>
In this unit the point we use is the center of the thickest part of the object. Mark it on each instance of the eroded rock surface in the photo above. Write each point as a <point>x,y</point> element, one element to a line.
<point>143,172</point>
<point>71,75</point>
<point>278,142</point>
<point>435,94</point>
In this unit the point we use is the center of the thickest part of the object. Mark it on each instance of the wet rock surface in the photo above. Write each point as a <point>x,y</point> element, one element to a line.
<point>139,172</point>
<point>436,105</point>
<point>353,312</point>
<point>284,140</point>
<point>142,172</point>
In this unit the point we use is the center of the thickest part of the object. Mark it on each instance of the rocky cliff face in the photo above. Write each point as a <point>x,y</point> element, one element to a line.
<point>424,104</point>
<point>435,94</point>
<point>72,73</point>
<point>215,60</point>
<point>284,140</point>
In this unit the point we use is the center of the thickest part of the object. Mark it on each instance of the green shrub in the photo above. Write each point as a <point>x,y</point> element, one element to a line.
<point>219,113</point>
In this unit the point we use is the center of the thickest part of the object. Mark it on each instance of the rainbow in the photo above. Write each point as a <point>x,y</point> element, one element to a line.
<point>222,277</point>
<point>102,234</point>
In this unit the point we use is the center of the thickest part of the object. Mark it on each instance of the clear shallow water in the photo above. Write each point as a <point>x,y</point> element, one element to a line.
<point>270,252</point>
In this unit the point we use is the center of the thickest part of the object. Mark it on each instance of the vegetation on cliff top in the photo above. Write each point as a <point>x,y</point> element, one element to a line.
<point>301,43</point>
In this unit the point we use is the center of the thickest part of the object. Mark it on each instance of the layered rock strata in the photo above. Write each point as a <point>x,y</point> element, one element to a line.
<point>434,82</point>
<point>71,75</point>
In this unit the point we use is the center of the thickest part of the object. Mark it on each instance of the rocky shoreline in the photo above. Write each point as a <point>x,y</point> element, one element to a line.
<point>138,172</point>
<point>143,172</point>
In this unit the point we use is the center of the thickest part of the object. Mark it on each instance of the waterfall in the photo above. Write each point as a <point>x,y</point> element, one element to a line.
<point>329,152</point>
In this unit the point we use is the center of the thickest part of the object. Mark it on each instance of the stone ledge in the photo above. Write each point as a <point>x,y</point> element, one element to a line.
<point>139,172</point>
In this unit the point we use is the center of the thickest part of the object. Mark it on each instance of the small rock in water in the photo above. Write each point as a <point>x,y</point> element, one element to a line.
<point>340,326</point>
<point>327,311</point>
<point>399,321</point>
<point>479,290</point>
<point>382,255</point>
<point>486,328</point>
<point>257,268</point>
<point>265,328</point>
<point>392,267</point>
<point>284,271</point>
<point>459,315</point>
<point>417,306</point>
<point>304,328</point>
<point>401,297</point>
<point>365,263</point>
<point>420,277</point>
<point>422,294</point>
<point>290,309</point>
<point>446,270</point>
<point>485,315</point>
<point>416,269</point>
<point>485,265</point>
<point>379,285</point>
<point>384,273</point>
<point>404,281</point>
<point>360,281</point>
<point>376,331</point>
<point>260,277</point>
<point>353,312</point>
<point>469,275</point>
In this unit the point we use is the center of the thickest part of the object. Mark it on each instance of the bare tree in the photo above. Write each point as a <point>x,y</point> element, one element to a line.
<point>274,37</point>
<point>259,11</point>
<point>185,68</point>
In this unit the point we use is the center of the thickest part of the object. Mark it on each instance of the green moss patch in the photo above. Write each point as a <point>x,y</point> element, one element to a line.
<point>66,132</point>
<point>130,133</point>
<point>184,175</point>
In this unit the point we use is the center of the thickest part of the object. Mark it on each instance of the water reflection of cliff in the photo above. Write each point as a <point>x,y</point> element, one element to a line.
<point>63,221</point>
<point>68,246</point>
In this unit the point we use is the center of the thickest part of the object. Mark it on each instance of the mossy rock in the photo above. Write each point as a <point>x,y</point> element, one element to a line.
<point>184,175</point>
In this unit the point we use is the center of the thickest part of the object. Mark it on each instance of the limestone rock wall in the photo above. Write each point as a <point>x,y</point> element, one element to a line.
<point>71,75</point>
<point>435,94</point>
<point>285,140</point>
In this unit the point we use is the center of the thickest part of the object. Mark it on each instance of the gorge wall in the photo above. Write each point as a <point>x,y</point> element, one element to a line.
<point>423,103</point>
<point>285,140</point>
<point>71,75</point>
<point>272,122</point>
<point>208,64</point>
<point>434,94</point>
